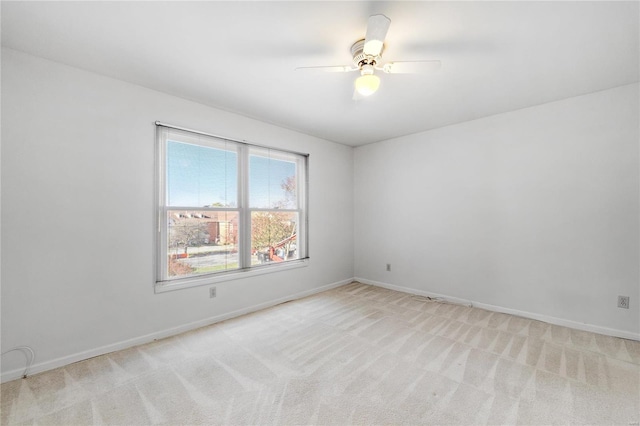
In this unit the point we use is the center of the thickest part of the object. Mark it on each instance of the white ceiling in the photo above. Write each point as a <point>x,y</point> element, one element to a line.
<point>241,56</point>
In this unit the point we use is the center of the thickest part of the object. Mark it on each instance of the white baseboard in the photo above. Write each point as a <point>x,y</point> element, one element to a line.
<point>79,356</point>
<point>540,317</point>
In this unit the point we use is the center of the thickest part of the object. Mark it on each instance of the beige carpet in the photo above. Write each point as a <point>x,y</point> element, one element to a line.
<point>354,355</point>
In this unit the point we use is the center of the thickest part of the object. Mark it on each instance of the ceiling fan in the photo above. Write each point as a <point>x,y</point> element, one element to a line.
<point>367,58</point>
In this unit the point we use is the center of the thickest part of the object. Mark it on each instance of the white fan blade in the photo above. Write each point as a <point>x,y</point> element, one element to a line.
<point>410,67</point>
<point>336,68</point>
<point>377,28</point>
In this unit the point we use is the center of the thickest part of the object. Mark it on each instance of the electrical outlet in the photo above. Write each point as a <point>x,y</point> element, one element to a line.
<point>212,292</point>
<point>623,302</point>
<point>388,267</point>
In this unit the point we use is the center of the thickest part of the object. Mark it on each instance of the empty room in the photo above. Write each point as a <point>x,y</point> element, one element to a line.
<point>328,213</point>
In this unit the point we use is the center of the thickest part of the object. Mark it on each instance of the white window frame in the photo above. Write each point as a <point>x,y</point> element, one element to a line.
<point>165,283</point>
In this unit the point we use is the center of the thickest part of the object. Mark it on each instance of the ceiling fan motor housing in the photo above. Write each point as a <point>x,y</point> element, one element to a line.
<point>360,58</point>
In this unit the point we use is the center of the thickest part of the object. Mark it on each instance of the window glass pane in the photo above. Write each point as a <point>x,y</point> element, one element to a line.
<point>273,236</point>
<point>272,181</point>
<point>201,242</point>
<point>201,176</point>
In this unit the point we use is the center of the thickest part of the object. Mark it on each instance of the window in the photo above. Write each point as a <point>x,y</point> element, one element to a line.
<point>226,207</point>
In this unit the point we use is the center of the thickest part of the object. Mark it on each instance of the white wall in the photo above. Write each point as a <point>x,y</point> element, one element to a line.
<point>78,209</point>
<point>533,211</point>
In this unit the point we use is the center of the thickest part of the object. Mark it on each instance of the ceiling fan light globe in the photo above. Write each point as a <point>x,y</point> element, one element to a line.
<point>367,84</point>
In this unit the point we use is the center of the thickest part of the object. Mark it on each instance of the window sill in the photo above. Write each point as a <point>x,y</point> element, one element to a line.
<point>165,286</point>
